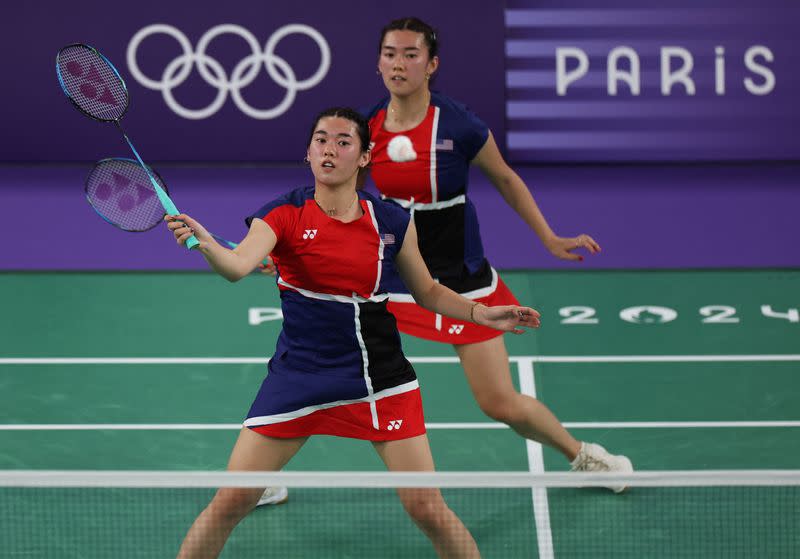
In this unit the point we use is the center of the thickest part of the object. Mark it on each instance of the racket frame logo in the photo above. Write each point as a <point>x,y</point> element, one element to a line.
<point>108,116</point>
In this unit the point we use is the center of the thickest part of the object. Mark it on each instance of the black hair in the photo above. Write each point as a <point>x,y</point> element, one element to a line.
<point>362,126</point>
<point>416,25</point>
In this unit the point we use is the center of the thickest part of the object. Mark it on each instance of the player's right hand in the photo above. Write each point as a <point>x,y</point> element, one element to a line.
<point>183,227</point>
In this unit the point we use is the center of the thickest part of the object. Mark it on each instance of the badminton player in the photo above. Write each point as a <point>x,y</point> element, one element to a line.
<point>338,368</point>
<point>423,144</point>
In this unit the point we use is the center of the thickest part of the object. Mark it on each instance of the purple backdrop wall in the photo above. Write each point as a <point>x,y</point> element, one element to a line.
<point>696,216</point>
<point>667,216</point>
<point>46,128</point>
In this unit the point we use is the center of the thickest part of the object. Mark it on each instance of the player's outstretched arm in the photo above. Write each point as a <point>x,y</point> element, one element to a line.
<point>232,264</point>
<point>440,299</point>
<point>517,195</point>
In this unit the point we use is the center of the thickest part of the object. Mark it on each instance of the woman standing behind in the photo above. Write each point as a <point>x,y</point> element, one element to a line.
<point>422,145</point>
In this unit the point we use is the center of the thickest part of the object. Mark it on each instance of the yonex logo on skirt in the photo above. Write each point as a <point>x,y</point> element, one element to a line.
<point>395,424</point>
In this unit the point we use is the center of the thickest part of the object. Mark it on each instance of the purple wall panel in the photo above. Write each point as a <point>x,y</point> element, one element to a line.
<point>698,216</point>
<point>694,216</point>
<point>41,125</point>
<point>644,216</point>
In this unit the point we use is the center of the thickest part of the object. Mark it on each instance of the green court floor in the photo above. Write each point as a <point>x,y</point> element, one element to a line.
<point>679,370</point>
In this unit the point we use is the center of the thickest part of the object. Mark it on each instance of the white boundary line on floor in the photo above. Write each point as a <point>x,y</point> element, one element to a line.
<point>541,507</point>
<point>430,426</point>
<point>515,359</point>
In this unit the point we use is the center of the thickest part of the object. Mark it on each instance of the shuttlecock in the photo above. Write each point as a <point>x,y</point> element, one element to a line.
<point>400,149</point>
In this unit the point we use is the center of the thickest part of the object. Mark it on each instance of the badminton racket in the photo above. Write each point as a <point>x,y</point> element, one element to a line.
<point>120,190</point>
<point>95,88</point>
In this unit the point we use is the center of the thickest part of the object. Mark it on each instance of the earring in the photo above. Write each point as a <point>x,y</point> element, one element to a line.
<point>377,72</point>
<point>305,160</point>
<point>427,76</point>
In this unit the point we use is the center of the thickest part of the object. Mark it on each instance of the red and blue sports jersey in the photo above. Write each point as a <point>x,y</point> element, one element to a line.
<point>338,366</point>
<point>434,185</point>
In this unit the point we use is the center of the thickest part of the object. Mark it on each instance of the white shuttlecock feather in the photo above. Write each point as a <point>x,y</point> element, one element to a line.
<point>401,150</point>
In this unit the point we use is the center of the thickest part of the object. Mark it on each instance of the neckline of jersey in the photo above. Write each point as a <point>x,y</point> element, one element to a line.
<point>386,114</point>
<point>321,211</point>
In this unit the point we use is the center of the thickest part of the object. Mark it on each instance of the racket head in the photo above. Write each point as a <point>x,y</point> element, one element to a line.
<point>120,191</point>
<point>91,82</point>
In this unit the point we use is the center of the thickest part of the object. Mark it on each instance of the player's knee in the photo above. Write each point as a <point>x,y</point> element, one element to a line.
<point>505,408</point>
<point>231,505</point>
<point>428,510</point>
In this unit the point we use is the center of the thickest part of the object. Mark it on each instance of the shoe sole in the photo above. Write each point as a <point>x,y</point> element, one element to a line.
<point>271,503</point>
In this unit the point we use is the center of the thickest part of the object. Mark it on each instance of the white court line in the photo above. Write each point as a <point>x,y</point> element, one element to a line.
<point>656,358</point>
<point>515,359</point>
<point>628,424</point>
<point>541,508</point>
<point>676,424</point>
<point>431,426</point>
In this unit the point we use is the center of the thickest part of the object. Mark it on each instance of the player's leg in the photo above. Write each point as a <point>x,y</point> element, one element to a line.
<point>489,376</point>
<point>426,506</point>
<point>252,452</point>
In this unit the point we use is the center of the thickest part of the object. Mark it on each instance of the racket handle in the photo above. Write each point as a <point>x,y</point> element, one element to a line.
<point>191,242</point>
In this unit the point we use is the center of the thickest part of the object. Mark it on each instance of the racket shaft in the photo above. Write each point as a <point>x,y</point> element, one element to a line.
<point>166,201</point>
<point>233,245</point>
<point>230,244</point>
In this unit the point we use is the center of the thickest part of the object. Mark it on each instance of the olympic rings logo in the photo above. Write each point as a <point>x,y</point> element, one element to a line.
<point>243,74</point>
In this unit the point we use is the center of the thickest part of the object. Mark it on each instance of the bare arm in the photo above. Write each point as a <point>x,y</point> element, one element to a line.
<point>519,198</point>
<point>440,299</point>
<point>232,264</point>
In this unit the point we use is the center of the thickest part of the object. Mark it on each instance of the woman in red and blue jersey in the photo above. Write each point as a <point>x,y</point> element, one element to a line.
<point>338,368</point>
<point>423,145</point>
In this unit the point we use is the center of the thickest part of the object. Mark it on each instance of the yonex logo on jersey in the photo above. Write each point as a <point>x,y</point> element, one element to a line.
<point>395,424</point>
<point>456,328</point>
<point>310,233</point>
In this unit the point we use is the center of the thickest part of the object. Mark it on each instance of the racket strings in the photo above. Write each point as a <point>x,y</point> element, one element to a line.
<point>91,83</point>
<point>121,192</point>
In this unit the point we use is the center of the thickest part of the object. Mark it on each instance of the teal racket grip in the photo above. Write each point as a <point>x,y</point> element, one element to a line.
<point>169,207</point>
<point>192,243</point>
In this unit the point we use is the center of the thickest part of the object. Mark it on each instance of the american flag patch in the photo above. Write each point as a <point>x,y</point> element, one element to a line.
<point>444,145</point>
<point>388,239</point>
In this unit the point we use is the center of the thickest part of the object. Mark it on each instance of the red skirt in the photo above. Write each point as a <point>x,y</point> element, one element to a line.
<point>422,323</point>
<point>393,417</point>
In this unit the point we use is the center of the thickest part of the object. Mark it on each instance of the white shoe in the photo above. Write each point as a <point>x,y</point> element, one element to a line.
<point>273,496</point>
<point>594,458</point>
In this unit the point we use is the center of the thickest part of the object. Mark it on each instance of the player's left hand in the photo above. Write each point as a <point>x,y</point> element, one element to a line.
<point>267,266</point>
<point>509,318</point>
<point>562,247</point>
